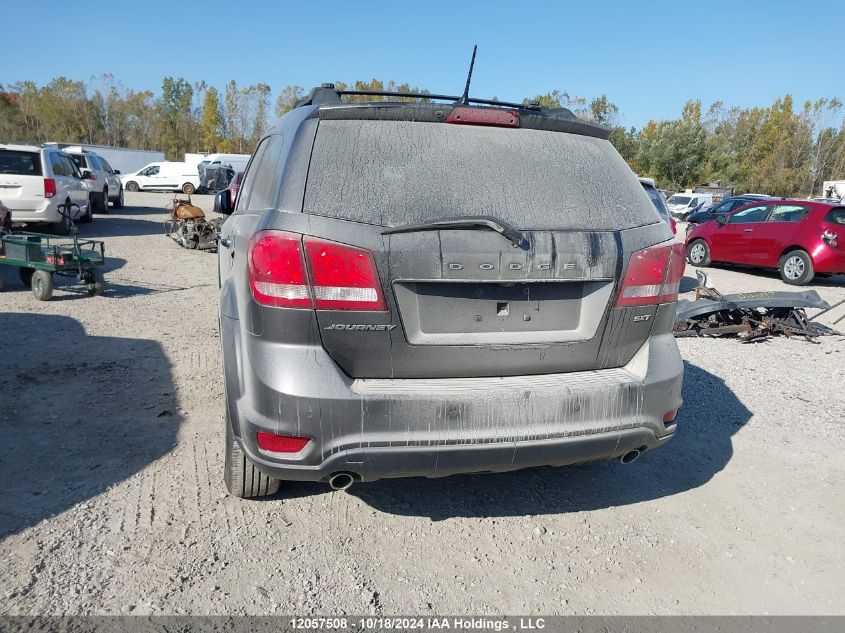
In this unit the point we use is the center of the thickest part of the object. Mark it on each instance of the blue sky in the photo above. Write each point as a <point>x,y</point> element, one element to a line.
<point>648,57</point>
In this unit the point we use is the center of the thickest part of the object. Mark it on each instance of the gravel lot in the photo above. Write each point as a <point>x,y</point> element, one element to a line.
<point>113,501</point>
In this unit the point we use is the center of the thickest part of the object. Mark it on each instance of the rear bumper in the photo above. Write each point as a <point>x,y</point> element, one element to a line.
<point>826,259</point>
<point>395,428</point>
<point>45,212</point>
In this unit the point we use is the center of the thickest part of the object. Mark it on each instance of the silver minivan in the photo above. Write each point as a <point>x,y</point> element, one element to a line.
<point>35,181</point>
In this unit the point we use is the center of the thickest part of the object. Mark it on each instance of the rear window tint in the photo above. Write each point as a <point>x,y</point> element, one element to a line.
<point>836,216</point>
<point>391,173</point>
<point>20,163</point>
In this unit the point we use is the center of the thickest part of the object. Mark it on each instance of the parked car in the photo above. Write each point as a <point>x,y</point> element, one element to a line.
<point>234,187</point>
<point>682,204</point>
<point>659,202</point>
<point>800,238</point>
<point>723,208</point>
<point>104,184</point>
<point>35,180</point>
<point>163,176</point>
<point>5,218</point>
<point>500,297</point>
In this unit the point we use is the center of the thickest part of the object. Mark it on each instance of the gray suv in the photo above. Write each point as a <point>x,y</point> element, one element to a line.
<point>427,288</point>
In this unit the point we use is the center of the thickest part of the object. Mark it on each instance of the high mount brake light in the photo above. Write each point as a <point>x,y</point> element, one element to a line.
<point>653,276</point>
<point>483,116</point>
<point>323,275</point>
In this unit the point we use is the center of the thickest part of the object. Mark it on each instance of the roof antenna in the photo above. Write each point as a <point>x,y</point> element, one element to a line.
<point>464,100</point>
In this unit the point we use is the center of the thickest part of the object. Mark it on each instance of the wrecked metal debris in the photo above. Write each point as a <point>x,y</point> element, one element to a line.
<point>188,227</point>
<point>751,316</point>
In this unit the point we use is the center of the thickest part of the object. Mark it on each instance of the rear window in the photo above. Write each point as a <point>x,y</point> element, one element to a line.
<point>20,163</point>
<point>836,216</point>
<point>657,200</point>
<point>391,173</point>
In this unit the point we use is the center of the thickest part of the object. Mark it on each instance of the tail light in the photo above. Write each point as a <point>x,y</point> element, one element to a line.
<point>288,270</point>
<point>674,225</point>
<point>343,277</point>
<point>484,116</point>
<point>273,443</point>
<point>830,238</point>
<point>49,187</point>
<point>653,276</point>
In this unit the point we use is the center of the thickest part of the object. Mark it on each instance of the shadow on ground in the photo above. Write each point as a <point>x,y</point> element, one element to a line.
<point>832,281</point>
<point>78,416</point>
<point>711,415</point>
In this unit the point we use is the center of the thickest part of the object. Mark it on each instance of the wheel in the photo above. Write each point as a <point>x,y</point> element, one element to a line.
<point>118,203</point>
<point>42,285</point>
<point>796,268</point>
<point>89,212</point>
<point>26,276</point>
<point>95,285</point>
<point>98,203</point>
<point>698,253</point>
<point>103,205</point>
<point>242,479</point>
<point>188,188</point>
<point>63,226</point>
<point>132,186</point>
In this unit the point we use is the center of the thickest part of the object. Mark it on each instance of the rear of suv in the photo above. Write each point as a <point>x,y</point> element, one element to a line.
<point>423,289</point>
<point>104,183</point>
<point>36,180</point>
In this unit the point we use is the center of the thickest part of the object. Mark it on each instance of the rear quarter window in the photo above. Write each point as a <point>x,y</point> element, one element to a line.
<point>20,163</point>
<point>835,216</point>
<point>391,173</point>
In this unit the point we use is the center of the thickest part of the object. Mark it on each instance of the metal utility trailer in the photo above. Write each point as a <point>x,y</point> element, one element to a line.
<point>39,257</point>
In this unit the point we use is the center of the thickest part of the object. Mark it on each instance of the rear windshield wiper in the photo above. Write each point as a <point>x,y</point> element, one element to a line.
<point>468,222</point>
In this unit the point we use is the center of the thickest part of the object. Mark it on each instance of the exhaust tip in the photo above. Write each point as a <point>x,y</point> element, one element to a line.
<point>341,481</point>
<point>630,457</point>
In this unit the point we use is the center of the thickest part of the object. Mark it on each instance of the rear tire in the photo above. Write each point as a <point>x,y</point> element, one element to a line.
<point>243,480</point>
<point>26,276</point>
<point>42,285</point>
<point>132,186</point>
<point>698,253</point>
<point>63,226</point>
<point>95,285</point>
<point>98,203</point>
<point>796,268</point>
<point>188,188</point>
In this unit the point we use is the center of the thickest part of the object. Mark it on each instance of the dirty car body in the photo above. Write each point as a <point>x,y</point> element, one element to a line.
<point>428,289</point>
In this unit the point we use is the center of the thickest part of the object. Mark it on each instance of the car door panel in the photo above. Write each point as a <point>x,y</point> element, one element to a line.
<point>776,234</point>
<point>733,241</point>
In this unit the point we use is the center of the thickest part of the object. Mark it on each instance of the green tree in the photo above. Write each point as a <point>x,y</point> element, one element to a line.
<point>211,121</point>
<point>287,99</point>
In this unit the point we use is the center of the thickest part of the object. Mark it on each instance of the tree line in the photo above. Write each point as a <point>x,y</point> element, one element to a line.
<point>783,149</point>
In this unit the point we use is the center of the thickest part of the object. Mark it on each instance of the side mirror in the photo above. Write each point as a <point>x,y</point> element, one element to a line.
<point>116,172</point>
<point>223,203</point>
<point>86,175</point>
<point>722,220</point>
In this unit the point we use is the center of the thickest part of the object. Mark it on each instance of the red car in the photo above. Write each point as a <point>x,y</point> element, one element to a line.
<point>234,186</point>
<point>800,238</point>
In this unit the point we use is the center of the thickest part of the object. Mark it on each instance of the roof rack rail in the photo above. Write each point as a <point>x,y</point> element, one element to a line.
<point>328,94</point>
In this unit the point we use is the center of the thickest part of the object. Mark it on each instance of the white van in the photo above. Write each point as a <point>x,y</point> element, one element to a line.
<point>163,176</point>
<point>682,204</point>
<point>36,180</point>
